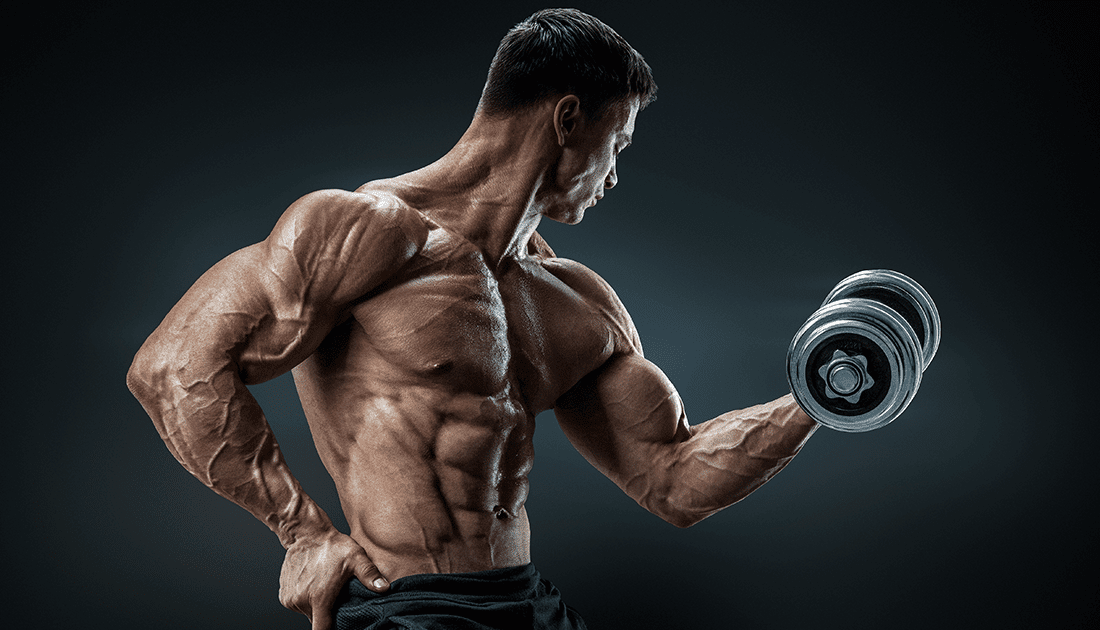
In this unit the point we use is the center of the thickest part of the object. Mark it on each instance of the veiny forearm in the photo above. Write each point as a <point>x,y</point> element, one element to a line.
<point>724,460</point>
<point>628,421</point>
<point>216,429</point>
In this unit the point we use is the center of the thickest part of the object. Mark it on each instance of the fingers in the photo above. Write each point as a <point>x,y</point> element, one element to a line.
<point>321,615</point>
<point>370,576</point>
<point>314,572</point>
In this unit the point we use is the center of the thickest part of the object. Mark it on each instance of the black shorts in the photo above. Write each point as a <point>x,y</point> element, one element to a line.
<point>499,599</point>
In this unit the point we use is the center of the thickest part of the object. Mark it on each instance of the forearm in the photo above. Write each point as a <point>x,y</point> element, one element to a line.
<point>727,458</point>
<point>215,428</point>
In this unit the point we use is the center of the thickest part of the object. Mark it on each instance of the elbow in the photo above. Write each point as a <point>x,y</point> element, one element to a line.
<point>140,373</point>
<point>682,515</point>
<point>683,520</point>
<point>671,508</point>
<point>665,494</point>
<point>684,504</point>
<point>165,375</point>
<point>147,372</point>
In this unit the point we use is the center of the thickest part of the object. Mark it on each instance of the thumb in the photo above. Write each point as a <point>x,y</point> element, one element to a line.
<point>370,576</point>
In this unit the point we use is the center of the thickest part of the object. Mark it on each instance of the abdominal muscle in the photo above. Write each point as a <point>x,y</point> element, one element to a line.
<point>430,480</point>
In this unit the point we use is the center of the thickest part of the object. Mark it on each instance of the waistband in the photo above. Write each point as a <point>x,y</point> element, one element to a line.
<point>505,583</point>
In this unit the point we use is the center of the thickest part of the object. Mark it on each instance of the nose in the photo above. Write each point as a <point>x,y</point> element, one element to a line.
<point>611,179</point>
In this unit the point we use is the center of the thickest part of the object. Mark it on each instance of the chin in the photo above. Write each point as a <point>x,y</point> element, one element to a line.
<point>571,216</point>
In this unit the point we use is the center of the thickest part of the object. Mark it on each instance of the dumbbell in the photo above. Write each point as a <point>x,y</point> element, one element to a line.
<point>856,364</point>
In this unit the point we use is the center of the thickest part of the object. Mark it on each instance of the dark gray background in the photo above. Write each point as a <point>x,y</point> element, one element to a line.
<point>791,144</point>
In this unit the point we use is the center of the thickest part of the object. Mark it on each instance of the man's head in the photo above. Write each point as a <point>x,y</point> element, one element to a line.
<point>588,151</point>
<point>564,51</point>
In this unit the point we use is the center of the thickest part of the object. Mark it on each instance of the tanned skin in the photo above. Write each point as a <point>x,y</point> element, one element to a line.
<point>427,324</point>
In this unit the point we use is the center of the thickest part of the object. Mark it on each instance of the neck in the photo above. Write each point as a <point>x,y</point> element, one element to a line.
<point>486,187</point>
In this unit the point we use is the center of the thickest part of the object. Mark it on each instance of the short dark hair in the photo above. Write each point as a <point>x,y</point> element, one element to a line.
<point>565,51</point>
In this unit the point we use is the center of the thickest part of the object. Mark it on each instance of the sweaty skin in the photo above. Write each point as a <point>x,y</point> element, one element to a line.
<point>427,324</point>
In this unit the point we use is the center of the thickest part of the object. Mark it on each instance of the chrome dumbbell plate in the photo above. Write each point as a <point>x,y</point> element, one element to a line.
<point>855,365</point>
<point>902,294</point>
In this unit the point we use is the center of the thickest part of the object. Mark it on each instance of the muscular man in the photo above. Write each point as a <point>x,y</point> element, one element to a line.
<point>427,324</point>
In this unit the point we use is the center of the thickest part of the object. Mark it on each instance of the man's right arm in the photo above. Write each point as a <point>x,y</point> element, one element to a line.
<point>628,421</point>
<point>255,315</point>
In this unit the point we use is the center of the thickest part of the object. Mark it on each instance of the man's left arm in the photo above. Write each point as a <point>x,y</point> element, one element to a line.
<point>628,421</point>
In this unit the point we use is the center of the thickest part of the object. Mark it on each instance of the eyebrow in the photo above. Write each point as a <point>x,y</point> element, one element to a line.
<point>627,137</point>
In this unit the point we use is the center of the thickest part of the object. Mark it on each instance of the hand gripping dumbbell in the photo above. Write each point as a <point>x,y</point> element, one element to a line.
<point>857,362</point>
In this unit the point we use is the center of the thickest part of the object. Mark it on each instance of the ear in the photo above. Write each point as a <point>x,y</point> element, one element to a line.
<point>567,114</point>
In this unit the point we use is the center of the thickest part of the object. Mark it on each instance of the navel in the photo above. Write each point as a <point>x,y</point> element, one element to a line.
<point>440,367</point>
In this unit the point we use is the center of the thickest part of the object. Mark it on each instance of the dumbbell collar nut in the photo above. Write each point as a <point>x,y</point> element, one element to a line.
<point>846,376</point>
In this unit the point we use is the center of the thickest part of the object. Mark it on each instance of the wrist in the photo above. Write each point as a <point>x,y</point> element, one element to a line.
<point>303,520</point>
<point>797,415</point>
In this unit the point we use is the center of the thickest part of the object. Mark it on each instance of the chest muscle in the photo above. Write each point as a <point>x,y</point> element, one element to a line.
<point>458,324</point>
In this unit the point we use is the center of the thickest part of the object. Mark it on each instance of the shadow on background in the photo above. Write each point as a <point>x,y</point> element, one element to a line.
<point>791,144</point>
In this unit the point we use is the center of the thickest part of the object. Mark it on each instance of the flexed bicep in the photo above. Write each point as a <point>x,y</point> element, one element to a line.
<point>627,419</point>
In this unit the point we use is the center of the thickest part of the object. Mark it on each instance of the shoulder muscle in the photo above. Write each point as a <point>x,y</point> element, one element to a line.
<point>337,245</point>
<point>597,292</point>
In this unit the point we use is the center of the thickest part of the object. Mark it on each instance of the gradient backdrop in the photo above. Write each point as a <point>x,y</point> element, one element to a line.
<point>791,144</point>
